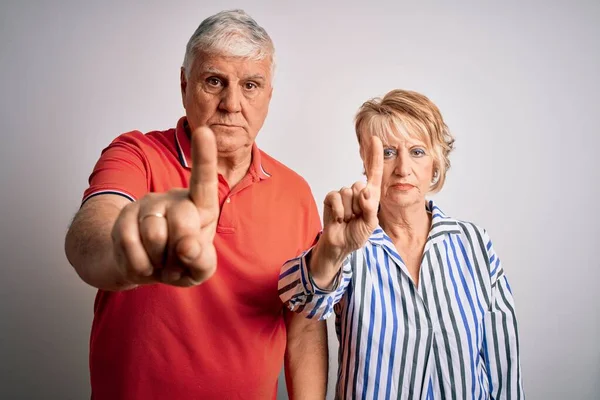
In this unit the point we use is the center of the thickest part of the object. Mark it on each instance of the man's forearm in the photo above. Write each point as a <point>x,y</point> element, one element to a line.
<point>306,358</point>
<point>89,248</point>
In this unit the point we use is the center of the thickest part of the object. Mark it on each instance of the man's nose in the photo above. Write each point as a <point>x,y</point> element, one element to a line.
<point>230,99</point>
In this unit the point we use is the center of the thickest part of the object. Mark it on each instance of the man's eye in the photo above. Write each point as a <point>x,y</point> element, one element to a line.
<point>212,81</point>
<point>389,152</point>
<point>250,85</point>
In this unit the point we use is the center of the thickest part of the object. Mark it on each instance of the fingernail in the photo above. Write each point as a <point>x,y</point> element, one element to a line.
<point>148,272</point>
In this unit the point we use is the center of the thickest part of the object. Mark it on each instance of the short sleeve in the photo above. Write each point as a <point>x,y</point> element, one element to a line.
<point>121,170</point>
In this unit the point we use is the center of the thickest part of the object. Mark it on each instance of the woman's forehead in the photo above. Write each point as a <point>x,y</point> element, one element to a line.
<point>402,138</point>
<point>394,131</point>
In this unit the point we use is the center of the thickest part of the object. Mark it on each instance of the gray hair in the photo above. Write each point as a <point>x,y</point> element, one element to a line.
<point>232,33</point>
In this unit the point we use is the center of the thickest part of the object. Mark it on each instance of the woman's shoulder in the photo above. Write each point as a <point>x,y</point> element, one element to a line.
<point>471,231</point>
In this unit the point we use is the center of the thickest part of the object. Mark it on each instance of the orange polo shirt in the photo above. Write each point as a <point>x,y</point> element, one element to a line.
<point>224,339</point>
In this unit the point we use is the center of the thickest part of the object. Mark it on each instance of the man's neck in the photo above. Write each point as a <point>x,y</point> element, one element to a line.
<point>231,166</point>
<point>234,166</point>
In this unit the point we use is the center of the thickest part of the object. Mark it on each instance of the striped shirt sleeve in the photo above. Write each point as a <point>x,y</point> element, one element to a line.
<point>300,294</point>
<point>501,335</point>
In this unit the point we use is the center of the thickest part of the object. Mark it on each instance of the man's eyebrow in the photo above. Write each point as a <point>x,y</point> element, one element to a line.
<point>213,70</point>
<point>255,77</point>
<point>216,71</point>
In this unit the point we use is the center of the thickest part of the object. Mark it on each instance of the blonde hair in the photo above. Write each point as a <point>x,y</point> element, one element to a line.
<point>407,114</point>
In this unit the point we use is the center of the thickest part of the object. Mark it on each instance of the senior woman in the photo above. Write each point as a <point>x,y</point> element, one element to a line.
<point>423,307</point>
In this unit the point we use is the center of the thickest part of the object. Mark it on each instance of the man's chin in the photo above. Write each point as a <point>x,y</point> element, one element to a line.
<point>231,144</point>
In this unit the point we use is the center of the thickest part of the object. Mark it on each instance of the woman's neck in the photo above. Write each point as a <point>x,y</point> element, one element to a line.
<point>406,225</point>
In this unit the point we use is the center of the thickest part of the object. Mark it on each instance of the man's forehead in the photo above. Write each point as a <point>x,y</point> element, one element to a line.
<point>241,67</point>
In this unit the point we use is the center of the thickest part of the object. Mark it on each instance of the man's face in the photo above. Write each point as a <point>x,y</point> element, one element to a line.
<point>230,95</point>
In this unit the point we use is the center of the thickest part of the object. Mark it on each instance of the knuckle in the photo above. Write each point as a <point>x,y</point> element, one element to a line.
<point>133,271</point>
<point>330,197</point>
<point>178,194</point>
<point>181,223</point>
<point>126,240</point>
<point>150,198</point>
<point>347,195</point>
<point>155,236</point>
<point>357,186</point>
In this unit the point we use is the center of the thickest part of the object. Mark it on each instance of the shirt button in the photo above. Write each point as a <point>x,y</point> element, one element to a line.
<point>228,200</point>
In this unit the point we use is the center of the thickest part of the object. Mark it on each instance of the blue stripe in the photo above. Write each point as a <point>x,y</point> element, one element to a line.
<point>303,273</point>
<point>481,392</point>
<point>470,268</point>
<point>381,351</point>
<point>370,335</point>
<point>316,307</point>
<point>495,268</point>
<point>394,329</point>
<point>329,305</point>
<point>290,271</point>
<point>474,280</point>
<point>487,365</point>
<point>352,311</point>
<point>391,249</point>
<point>462,311</point>
<point>507,285</point>
<point>430,390</point>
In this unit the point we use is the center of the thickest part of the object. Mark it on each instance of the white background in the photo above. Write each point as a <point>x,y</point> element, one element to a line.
<point>517,83</point>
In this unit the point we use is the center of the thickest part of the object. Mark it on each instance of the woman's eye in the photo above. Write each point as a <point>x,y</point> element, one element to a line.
<point>418,152</point>
<point>389,152</point>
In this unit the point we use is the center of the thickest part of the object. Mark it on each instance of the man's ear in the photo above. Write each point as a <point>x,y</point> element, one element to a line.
<point>183,85</point>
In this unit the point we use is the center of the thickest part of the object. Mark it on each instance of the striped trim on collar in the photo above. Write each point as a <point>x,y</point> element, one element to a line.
<point>181,132</point>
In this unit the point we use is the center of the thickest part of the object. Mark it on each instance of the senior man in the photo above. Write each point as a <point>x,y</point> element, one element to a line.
<point>181,232</point>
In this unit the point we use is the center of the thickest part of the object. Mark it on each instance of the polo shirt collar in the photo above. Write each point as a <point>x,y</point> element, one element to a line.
<point>184,151</point>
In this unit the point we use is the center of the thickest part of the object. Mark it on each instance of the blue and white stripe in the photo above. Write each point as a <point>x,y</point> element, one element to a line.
<point>454,336</point>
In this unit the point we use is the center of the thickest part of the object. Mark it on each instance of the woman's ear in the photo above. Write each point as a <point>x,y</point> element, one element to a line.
<point>436,173</point>
<point>436,177</point>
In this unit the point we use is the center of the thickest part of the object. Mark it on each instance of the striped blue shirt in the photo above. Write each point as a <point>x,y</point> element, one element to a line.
<point>454,336</point>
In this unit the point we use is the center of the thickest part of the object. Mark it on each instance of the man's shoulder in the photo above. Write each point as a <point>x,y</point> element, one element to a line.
<point>150,138</point>
<point>145,145</point>
<point>278,170</point>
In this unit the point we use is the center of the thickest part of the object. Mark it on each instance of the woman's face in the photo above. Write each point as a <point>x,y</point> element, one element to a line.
<point>408,169</point>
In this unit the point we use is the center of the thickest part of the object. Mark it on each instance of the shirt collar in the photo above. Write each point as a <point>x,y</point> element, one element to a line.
<point>183,146</point>
<point>440,225</point>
